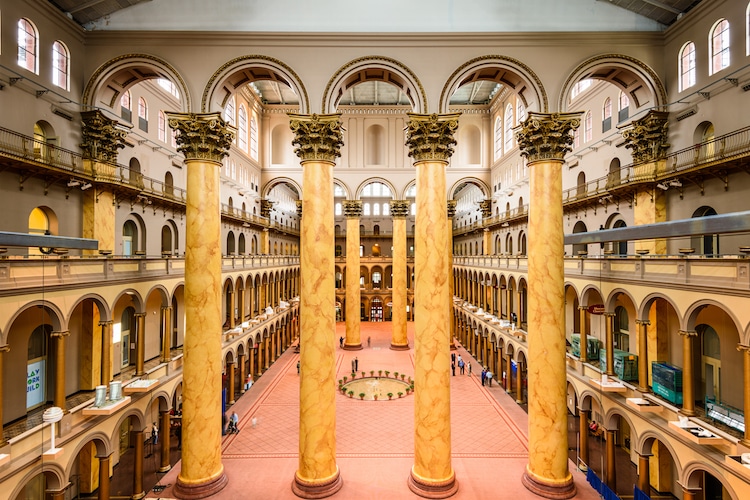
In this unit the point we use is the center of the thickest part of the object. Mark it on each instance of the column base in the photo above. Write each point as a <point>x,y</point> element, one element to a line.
<point>687,413</point>
<point>400,347</point>
<point>305,489</point>
<point>432,489</point>
<point>202,490</point>
<point>164,469</point>
<point>556,491</point>
<point>138,496</point>
<point>353,347</point>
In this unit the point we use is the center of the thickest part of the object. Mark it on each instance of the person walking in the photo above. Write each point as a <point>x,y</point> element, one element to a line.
<point>368,341</point>
<point>460,365</point>
<point>356,364</point>
<point>453,368</point>
<point>483,374</point>
<point>489,378</point>
<point>297,367</point>
<point>341,342</point>
<point>154,433</point>
<point>469,369</point>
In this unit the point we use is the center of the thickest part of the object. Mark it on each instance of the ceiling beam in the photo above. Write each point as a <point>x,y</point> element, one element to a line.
<point>663,6</point>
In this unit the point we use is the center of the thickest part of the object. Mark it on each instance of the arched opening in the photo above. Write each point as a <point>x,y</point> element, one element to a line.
<point>707,244</point>
<point>580,248</point>
<point>129,238</point>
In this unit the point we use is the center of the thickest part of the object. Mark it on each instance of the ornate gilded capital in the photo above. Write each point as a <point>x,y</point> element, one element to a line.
<point>485,206</point>
<point>102,136</point>
<point>399,208</point>
<point>5,348</point>
<point>451,208</point>
<point>642,322</point>
<point>740,347</point>
<point>317,137</point>
<point>688,333</point>
<point>352,209</point>
<point>647,137</point>
<point>201,136</point>
<point>61,334</point>
<point>266,206</point>
<point>430,137</point>
<point>298,203</point>
<point>545,136</point>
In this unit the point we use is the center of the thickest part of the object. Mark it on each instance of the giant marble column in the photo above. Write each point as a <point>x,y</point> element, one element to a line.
<point>399,212</point>
<point>318,139</point>
<point>352,212</point>
<point>544,139</point>
<point>204,139</point>
<point>430,141</point>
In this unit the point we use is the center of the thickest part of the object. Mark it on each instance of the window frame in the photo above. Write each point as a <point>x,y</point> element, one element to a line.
<point>689,72</point>
<point>28,46</point>
<point>60,65</point>
<point>725,49</point>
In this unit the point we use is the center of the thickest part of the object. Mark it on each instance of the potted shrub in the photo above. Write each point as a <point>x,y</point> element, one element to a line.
<point>351,393</point>
<point>345,378</point>
<point>400,394</point>
<point>372,373</point>
<point>361,395</point>
<point>403,376</point>
<point>395,374</point>
<point>354,375</point>
<point>387,373</point>
<point>375,396</point>
<point>390,395</point>
<point>363,374</point>
<point>380,373</point>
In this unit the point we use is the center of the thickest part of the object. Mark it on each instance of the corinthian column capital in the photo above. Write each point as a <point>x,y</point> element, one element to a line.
<point>451,208</point>
<point>317,137</point>
<point>102,136</point>
<point>352,209</point>
<point>647,137</point>
<point>201,136</point>
<point>399,208</point>
<point>430,137</point>
<point>545,136</point>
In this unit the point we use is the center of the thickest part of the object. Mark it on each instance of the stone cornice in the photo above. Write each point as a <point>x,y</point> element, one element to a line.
<point>545,136</point>
<point>317,137</point>
<point>430,137</point>
<point>201,136</point>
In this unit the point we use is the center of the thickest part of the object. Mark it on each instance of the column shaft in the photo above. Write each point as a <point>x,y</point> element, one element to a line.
<point>644,482</point>
<point>140,343</point>
<point>3,350</point>
<point>230,382</point>
<point>611,472</point>
<point>688,380</point>
<point>166,334</point>
<point>107,351</point>
<point>59,399</point>
<point>104,493</point>
<point>317,470</point>
<point>745,350</point>
<point>138,466</point>
<point>399,339</point>
<point>352,340</point>
<point>583,437</point>
<point>165,425</point>
<point>609,321</point>
<point>642,354</point>
<point>583,331</point>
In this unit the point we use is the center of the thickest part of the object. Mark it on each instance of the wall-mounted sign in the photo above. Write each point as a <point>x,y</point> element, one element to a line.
<point>35,383</point>
<point>596,309</point>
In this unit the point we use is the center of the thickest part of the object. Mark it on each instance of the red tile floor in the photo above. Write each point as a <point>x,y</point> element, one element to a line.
<point>374,439</point>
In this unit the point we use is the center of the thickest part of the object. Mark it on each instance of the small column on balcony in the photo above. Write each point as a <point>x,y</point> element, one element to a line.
<point>352,212</point>
<point>583,327</point>
<point>3,349</point>
<point>166,333</point>
<point>102,137</point>
<point>485,207</point>
<point>642,326</point>
<point>648,137</point>
<point>609,328</point>
<point>59,398</point>
<point>140,343</point>
<point>107,351</point>
<point>745,350</point>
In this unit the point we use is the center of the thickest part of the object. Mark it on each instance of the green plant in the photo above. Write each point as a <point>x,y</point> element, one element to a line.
<point>372,373</point>
<point>341,381</point>
<point>361,395</point>
<point>363,374</point>
<point>390,395</point>
<point>395,374</point>
<point>403,376</point>
<point>375,396</point>
<point>380,373</point>
<point>351,393</point>
<point>387,373</point>
<point>345,379</point>
<point>400,394</point>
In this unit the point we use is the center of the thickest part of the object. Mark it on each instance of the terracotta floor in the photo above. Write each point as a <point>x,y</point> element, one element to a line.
<point>375,438</point>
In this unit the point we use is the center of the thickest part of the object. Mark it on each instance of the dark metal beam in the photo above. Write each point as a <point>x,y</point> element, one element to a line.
<point>738,222</point>
<point>8,239</point>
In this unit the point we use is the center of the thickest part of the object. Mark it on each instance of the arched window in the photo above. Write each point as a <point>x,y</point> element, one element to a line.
<point>242,129</point>
<point>623,107</point>
<point>60,65</point>
<point>687,66</point>
<point>253,138</point>
<point>508,129</point>
<point>168,184</point>
<point>376,209</point>
<point>498,138</point>
<point>622,333</point>
<point>520,111</point>
<point>162,126</point>
<point>28,44</point>
<point>142,114</point>
<point>607,115</point>
<point>338,209</point>
<point>588,128</point>
<point>366,209</point>
<point>386,209</point>
<point>166,240</point>
<point>580,87</point>
<point>126,111</point>
<point>719,43</point>
<point>129,238</point>
<point>230,114</point>
<point>576,138</point>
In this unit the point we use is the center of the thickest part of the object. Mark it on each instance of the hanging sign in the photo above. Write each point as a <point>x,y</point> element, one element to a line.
<point>34,383</point>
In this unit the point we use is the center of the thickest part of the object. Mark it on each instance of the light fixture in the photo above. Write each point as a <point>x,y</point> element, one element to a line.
<point>85,186</point>
<point>74,183</point>
<point>675,183</point>
<point>662,186</point>
<point>505,224</point>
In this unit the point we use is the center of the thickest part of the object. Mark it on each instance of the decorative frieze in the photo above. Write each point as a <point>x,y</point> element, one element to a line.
<point>545,136</point>
<point>352,209</point>
<point>647,137</point>
<point>399,208</point>
<point>430,137</point>
<point>102,136</point>
<point>317,137</point>
<point>201,136</point>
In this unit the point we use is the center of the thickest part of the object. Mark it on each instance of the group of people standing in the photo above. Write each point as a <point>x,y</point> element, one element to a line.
<point>465,368</point>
